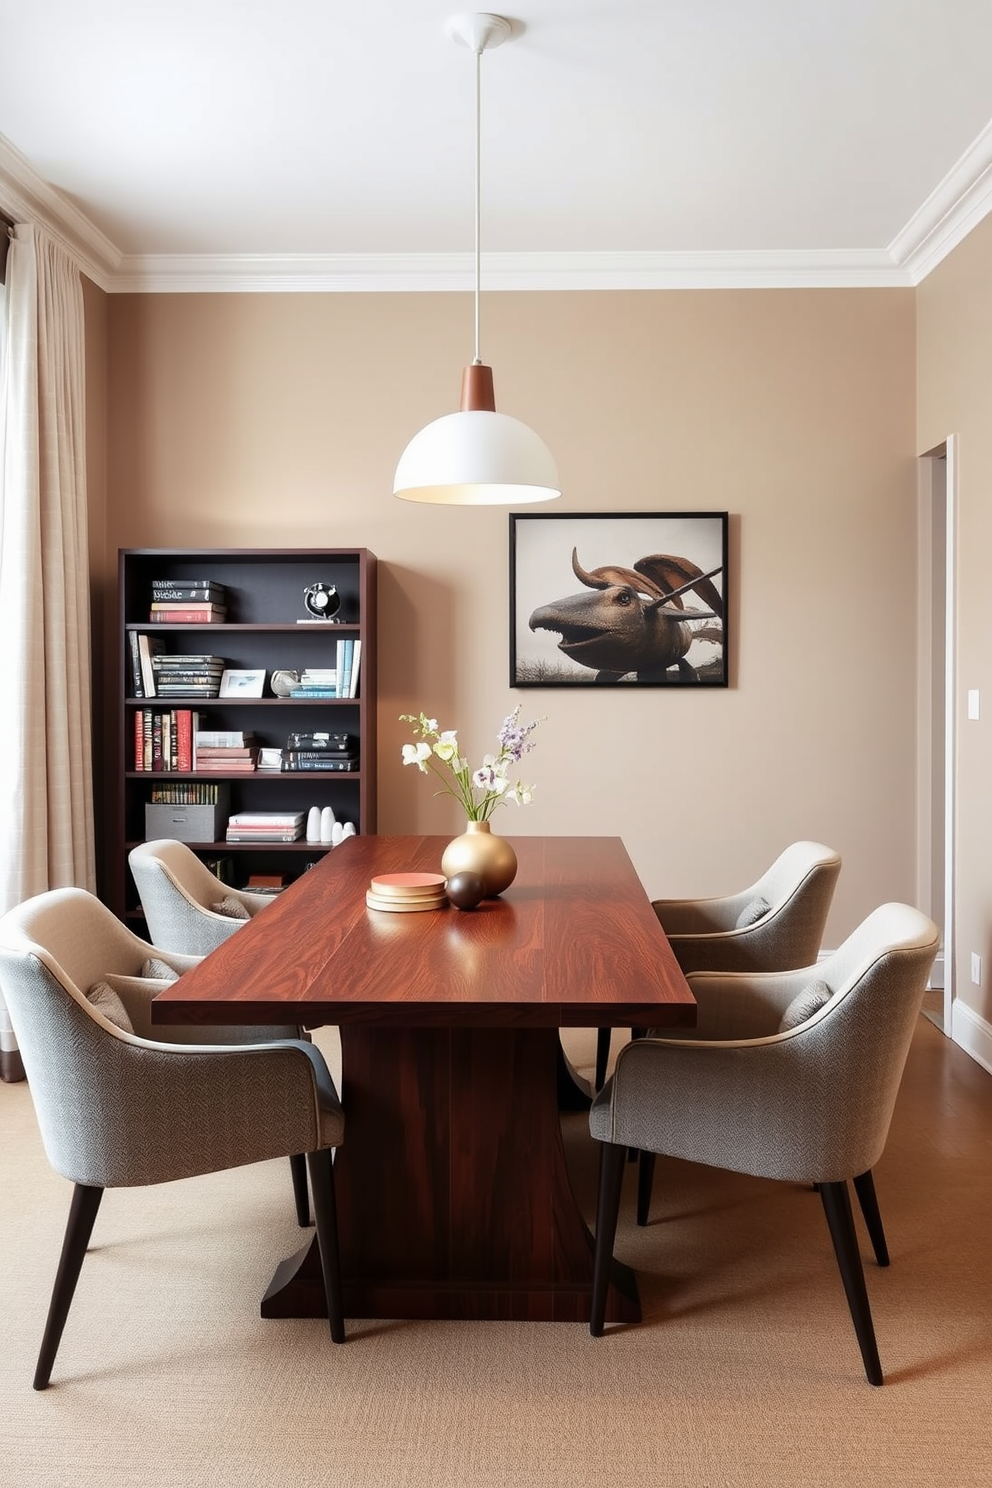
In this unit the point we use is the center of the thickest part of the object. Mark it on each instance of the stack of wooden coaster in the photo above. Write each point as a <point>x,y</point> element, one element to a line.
<point>403,893</point>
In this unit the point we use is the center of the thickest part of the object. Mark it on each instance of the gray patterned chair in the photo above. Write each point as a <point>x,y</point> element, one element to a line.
<point>803,1092</point>
<point>178,894</point>
<point>775,924</point>
<point>121,1105</point>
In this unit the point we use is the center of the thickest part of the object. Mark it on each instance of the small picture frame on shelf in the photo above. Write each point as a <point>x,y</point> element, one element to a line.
<point>242,684</point>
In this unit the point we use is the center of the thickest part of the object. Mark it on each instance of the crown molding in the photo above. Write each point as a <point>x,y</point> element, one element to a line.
<point>441,272</point>
<point>27,198</point>
<point>949,213</point>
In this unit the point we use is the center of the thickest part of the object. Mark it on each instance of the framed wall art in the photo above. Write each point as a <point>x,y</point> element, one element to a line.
<point>630,599</point>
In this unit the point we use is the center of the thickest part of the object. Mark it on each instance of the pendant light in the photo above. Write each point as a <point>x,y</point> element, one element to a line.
<point>477,457</point>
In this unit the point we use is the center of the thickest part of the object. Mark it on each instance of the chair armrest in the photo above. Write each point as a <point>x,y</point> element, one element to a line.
<point>138,993</point>
<point>770,1107</point>
<point>698,916</point>
<point>743,1005</point>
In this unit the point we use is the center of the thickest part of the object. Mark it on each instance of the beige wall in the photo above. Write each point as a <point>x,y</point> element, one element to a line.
<point>277,420</point>
<point>955,397</point>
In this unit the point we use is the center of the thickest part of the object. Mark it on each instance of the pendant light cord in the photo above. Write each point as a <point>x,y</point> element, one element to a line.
<point>478,198</point>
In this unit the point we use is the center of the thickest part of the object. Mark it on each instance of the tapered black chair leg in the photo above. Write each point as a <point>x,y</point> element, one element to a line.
<point>837,1207</point>
<point>602,1055</point>
<point>864,1187</point>
<point>611,1164</point>
<point>79,1228</point>
<point>645,1179</point>
<point>298,1164</point>
<point>321,1165</point>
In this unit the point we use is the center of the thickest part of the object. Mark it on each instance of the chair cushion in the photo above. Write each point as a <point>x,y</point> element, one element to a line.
<point>106,1001</point>
<point>159,970</point>
<point>805,1003</point>
<point>231,907</point>
<point>753,911</point>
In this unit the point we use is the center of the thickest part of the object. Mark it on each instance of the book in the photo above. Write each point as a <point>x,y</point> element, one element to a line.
<point>231,766</point>
<point>353,679</point>
<point>186,588</point>
<point>137,684</point>
<point>187,614</point>
<point>293,835</point>
<point>186,721</point>
<point>224,738</point>
<point>226,751</point>
<point>345,666</point>
<point>148,647</point>
<point>279,821</point>
<point>327,762</point>
<point>314,692</point>
<point>321,740</point>
<point>190,659</point>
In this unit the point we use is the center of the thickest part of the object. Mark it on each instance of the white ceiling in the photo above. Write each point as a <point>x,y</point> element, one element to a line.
<point>313,143</point>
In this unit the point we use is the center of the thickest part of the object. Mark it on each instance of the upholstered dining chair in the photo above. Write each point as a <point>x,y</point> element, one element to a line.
<point>809,1103</point>
<point>775,924</point>
<point>121,1105</point>
<point>186,907</point>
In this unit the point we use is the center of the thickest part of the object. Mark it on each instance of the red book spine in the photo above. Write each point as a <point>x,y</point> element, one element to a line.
<point>184,739</point>
<point>191,615</point>
<point>139,738</point>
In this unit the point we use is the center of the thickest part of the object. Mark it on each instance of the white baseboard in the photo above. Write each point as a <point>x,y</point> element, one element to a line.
<point>972,1033</point>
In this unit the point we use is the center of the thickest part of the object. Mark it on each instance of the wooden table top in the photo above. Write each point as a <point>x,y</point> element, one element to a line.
<point>573,942</point>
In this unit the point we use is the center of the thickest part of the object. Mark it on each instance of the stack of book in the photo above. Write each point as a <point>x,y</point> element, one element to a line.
<point>320,751</point>
<point>349,656</point>
<point>187,675</point>
<point>164,741</point>
<point>228,750</point>
<point>316,682</point>
<point>266,826</point>
<point>187,602</point>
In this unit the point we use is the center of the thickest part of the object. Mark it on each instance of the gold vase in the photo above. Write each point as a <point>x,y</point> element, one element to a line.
<point>478,850</point>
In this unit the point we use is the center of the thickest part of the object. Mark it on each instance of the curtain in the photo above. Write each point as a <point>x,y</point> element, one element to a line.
<point>46,785</point>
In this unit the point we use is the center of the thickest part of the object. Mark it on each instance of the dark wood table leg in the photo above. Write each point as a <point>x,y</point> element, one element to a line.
<point>454,1199</point>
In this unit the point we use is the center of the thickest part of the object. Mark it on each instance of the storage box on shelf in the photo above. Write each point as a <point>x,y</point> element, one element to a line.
<point>265,627</point>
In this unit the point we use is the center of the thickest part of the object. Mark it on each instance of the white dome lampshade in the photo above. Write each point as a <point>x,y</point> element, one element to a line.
<point>476,457</point>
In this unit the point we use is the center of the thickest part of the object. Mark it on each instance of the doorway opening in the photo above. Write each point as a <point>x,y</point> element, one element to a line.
<point>936,741</point>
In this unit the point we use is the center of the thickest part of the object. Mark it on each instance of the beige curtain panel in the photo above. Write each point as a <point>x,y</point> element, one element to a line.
<point>46,788</point>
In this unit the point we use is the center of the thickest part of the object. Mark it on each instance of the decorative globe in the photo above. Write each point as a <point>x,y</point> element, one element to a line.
<point>465,890</point>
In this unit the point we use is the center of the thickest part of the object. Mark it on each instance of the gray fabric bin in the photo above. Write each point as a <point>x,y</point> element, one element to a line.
<point>186,823</point>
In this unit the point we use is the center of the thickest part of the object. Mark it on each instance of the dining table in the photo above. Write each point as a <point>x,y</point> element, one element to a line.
<point>453,1190</point>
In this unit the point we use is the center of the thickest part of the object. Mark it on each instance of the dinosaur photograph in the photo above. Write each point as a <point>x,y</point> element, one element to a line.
<point>635,599</point>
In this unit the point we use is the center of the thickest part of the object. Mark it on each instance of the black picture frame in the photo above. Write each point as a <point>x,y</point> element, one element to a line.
<point>681,641</point>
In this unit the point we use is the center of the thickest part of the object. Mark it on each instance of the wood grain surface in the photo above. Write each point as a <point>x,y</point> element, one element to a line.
<point>454,1197</point>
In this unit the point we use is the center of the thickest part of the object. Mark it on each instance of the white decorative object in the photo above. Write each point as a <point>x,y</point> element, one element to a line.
<point>327,825</point>
<point>348,830</point>
<point>313,824</point>
<point>337,835</point>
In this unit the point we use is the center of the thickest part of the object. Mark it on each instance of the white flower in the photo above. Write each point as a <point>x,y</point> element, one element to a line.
<point>415,754</point>
<point>446,747</point>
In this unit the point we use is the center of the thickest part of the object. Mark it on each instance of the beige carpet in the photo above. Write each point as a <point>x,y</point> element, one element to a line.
<point>744,1374</point>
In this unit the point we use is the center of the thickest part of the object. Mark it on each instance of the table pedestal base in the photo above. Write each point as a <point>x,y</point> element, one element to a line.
<point>454,1199</point>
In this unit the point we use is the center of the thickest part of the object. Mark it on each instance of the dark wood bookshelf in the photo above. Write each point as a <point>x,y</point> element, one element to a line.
<point>264,595</point>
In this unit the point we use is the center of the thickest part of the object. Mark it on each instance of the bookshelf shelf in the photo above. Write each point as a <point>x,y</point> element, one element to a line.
<point>263,590</point>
